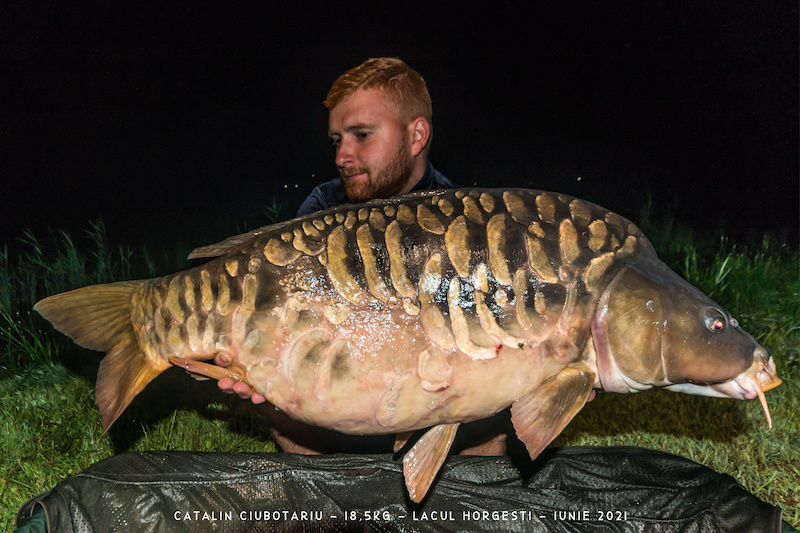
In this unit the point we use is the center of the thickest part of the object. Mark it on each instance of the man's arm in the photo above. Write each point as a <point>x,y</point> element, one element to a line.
<point>314,202</point>
<point>328,194</point>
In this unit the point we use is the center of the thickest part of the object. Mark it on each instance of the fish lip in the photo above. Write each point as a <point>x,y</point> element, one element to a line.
<point>741,387</point>
<point>767,376</point>
<point>761,376</point>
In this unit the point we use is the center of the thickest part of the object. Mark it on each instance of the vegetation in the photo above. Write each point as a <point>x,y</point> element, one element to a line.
<point>47,268</point>
<point>51,429</point>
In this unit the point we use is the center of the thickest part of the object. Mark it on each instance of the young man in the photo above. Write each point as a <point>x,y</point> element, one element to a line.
<point>380,124</point>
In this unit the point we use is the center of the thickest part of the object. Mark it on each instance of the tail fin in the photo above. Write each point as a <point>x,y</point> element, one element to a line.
<point>98,317</point>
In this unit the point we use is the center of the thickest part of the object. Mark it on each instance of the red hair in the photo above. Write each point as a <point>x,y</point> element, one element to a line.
<point>400,84</point>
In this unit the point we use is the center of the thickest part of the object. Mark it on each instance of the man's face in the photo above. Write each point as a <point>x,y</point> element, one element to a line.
<point>373,146</point>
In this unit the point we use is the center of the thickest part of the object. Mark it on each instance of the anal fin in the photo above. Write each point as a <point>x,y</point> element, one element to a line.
<point>123,373</point>
<point>541,415</point>
<point>425,458</point>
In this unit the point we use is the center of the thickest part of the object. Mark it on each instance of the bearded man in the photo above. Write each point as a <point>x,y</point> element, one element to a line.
<point>380,123</point>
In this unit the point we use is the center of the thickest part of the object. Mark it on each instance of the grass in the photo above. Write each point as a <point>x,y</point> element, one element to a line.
<point>49,267</point>
<point>50,427</point>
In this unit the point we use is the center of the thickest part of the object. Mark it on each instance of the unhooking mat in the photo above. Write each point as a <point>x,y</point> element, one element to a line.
<point>576,489</point>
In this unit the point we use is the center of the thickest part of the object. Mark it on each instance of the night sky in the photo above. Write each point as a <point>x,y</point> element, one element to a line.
<point>182,123</point>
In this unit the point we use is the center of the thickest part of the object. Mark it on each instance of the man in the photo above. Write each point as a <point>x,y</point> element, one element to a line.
<point>380,123</point>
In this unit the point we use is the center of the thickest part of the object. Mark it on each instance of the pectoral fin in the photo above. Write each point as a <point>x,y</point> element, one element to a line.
<point>425,458</point>
<point>540,416</point>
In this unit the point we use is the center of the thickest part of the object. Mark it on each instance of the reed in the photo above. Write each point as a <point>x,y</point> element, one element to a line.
<point>45,267</point>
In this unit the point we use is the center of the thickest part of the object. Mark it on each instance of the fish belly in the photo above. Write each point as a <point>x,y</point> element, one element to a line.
<point>379,373</point>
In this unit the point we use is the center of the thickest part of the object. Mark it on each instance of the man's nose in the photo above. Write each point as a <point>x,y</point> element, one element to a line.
<point>344,154</point>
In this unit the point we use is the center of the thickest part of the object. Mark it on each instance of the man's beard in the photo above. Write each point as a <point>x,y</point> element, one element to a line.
<point>385,183</point>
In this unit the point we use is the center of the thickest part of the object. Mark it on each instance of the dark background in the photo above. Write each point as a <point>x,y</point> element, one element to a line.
<point>182,123</point>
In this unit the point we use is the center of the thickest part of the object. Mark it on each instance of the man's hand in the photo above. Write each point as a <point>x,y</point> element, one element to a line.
<point>229,386</point>
<point>241,389</point>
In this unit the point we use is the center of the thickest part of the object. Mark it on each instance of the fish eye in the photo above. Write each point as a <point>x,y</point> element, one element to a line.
<point>715,320</point>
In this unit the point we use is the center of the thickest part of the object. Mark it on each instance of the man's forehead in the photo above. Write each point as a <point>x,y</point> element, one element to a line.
<point>363,108</point>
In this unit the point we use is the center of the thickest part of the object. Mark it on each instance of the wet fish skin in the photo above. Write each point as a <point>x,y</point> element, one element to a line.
<point>429,309</point>
<point>419,367</point>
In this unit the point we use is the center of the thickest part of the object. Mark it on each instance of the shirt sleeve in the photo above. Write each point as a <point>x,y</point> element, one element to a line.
<point>325,195</point>
<point>314,202</point>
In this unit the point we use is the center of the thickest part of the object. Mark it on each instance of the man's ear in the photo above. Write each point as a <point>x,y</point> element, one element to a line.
<point>420,130</point>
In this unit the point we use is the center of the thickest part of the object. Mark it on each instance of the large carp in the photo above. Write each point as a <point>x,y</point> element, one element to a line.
<point>424,311</point>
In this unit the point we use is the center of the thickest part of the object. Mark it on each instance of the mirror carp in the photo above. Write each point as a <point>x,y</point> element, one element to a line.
<point>426,310</point>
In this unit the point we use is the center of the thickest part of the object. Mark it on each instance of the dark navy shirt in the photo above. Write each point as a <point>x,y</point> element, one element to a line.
<point>331,193</point>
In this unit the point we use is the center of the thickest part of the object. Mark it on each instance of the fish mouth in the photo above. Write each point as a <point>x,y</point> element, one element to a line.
<point>761,377</point>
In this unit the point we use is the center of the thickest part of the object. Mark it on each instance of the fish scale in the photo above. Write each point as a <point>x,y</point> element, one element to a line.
<point>356,264</point>
<point>426,310</point>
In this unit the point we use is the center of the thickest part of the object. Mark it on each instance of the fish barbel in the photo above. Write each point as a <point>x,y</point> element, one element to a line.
<point>424,311</point>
